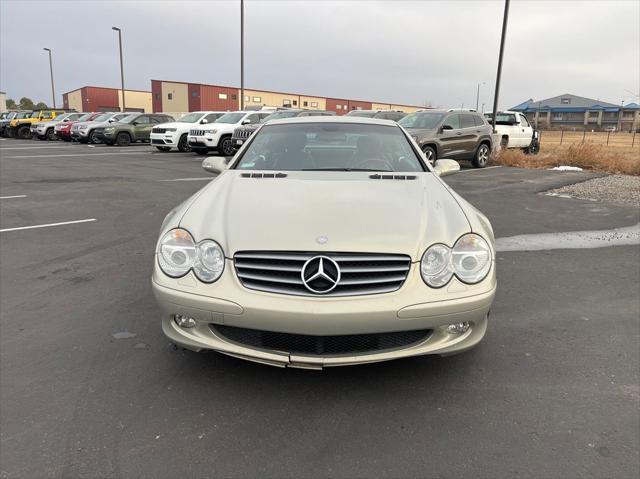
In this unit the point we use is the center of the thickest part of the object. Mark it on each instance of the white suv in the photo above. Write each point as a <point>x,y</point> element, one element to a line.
<point>174,135</point>
<point>217,135</point>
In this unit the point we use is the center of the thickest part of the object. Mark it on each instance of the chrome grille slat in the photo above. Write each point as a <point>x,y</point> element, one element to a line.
<point>361,273</point>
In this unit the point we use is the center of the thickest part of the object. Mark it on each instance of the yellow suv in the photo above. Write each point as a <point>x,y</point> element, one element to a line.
<point>20,127</point>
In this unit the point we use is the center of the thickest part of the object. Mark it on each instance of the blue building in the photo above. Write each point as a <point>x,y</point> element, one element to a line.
<point>572,112</point>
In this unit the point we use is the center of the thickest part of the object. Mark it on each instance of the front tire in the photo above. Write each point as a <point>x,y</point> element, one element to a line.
<point>183,144</point>
<point>225,147</point>
<point>51,135</point>
<point>123,139</point>
<point>481,158</point>
<point>91,138</point>
<point>431,154</point>
<point>24,133</point>
<point>533,148</point>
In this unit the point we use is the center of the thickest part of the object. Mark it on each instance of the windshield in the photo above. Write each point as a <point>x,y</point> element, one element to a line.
<point>62,117</point>
<point>424,120</point>
<point>364,114</point>
<point>230,118</point>
<point>330,147</point>
<point>281,114</point>
<point>80,116</point>
<point>103,117</point>
<point>128,118</point>
<point>191,118</point>
<point>502,118</point>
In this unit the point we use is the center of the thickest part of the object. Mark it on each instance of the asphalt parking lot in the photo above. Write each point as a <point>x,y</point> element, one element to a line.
<point>89,386</point>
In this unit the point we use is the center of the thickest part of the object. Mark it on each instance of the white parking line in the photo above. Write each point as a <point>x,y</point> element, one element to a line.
<point>201,178</point>
<point>9,197</point>
<point>75,154</point>
<point>479,169</point>
<point>88,220</point>
<point>33,148</point>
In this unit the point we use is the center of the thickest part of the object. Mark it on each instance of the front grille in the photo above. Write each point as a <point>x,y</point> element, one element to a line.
<point>158,130</point>
<point>196,132</point>
<point>241,133</point>
<point>321,345</point>
<point>360,273</point>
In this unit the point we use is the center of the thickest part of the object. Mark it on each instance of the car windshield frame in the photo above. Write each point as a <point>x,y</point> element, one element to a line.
<point>362,113</point>
<point>129,118</point>
<point>106,116</point>
<point>233,115</point>
<point>196,115</point>
<point>418,115</point>
<point>336,128</point>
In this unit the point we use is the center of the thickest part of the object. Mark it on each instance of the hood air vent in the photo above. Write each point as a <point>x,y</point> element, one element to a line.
<point>392,177</point>
<point>263,175</point>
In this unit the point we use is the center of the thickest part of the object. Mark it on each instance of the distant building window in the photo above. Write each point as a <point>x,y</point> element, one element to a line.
<point>234,97</point>
<point>256,99</point>
<point>156,96</point>
<point>593,114</point>
<point>314,104</point>
<point>338,107</point>
<point>358,108</point>
<point>246,98</point>
<point>565,101</point>
<point>194,93</point>
<point>557,116</point>
<point>305,103</point>
<point>295,102</point>
<point>286,102</point>
<point>222,96</point>
<point>169,96</point>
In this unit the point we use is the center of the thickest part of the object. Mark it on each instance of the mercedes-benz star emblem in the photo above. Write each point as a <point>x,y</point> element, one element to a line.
<point>320,274</point>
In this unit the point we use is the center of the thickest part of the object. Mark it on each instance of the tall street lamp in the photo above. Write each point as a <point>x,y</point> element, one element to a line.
<point>505,17</point>
<point>478,95</point>
<point>241,54</point>
<point>53,89</point>
<point>121,65</point>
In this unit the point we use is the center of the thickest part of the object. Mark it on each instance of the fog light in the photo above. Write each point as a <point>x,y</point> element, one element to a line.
<point>184,321</point>
<point>458,328</point>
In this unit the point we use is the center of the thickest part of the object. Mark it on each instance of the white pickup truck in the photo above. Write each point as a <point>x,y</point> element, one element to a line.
<point>514,131</point>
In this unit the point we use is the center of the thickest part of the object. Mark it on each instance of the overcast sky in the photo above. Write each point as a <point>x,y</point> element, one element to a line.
<point>392,51</point>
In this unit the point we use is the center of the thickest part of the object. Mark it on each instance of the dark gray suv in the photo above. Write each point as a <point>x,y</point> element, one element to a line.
<point>454,134</point>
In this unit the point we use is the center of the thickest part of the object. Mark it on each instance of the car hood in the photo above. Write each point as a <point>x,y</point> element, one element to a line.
<point>353,211</point>
<point>177,124</point>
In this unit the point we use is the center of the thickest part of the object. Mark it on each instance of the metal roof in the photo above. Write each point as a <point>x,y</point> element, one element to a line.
<point>566,101</point>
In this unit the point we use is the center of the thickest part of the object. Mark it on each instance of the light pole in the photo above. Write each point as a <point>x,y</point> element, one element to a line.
<point>121,64</point>
<point>478,95</point>
<point>53,89</point>
<point>499,73</point>
<point>241,54</point>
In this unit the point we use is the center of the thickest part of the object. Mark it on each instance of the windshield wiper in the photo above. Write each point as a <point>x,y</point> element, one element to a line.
<point>341,169</point>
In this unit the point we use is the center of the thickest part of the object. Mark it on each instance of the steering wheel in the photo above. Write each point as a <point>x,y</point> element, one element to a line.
<point>374,164</point>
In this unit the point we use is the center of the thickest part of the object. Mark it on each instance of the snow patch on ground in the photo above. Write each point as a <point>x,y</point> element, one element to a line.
<point>566,168</point>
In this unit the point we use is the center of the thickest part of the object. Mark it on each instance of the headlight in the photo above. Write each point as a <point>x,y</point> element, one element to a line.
<point>209,261</point>
<point>178,254</point>
<point>469,260</point>
<point>435,266</point>
<point>82,127</point>
<point>109,129</point>
<point>213,132</point>
<point>170,129</point>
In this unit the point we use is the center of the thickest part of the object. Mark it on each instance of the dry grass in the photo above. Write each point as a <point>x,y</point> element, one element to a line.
<point>616,139</point>
<point>588,156</point>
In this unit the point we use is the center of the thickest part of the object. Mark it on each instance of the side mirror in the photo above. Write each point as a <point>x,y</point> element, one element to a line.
<point>446,167</point>
<point>214,164</point>
<point>204,121</point>
<point>134,123</point>
<point>246,121</point>
<point>446,127</point>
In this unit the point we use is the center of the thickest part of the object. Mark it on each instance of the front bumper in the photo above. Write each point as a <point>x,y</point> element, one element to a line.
<point>408,309</point>
<point>63,134</point>
<point>169,139</point>
<point>105,135</point>
<point>203,141</point>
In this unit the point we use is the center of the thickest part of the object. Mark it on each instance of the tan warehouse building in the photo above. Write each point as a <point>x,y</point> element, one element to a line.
<point>175,96</point>
<point>93,98</point>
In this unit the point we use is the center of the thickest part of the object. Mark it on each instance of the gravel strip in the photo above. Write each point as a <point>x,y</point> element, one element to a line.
<point>620,189</point>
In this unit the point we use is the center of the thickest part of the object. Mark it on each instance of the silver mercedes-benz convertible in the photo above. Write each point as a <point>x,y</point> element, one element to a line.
<point>326,241</point>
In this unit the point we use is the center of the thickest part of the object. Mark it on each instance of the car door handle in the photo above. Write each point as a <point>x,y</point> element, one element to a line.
<point>523,130</point>
<point>459,134</point>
